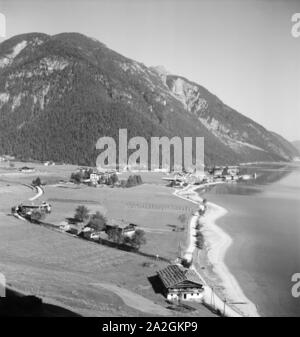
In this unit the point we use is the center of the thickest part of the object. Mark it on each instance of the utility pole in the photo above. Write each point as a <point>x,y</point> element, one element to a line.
<point>225,300</point>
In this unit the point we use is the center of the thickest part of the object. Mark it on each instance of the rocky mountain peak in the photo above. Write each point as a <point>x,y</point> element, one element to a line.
<point>59,94</point>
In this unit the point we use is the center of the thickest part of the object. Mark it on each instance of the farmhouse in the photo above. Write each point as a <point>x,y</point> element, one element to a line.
<point>181,284</point>
<point>28,209</point>
<point>26,169</point>
<point>126,229</point>
<point>233,170</point>
<point>49,163</point>
<point>95,177</point>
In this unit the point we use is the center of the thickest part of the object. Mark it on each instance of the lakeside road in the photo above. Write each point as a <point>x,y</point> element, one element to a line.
<point>217,242</point>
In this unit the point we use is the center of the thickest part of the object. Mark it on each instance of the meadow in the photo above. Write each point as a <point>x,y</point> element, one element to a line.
<point>86,277</point>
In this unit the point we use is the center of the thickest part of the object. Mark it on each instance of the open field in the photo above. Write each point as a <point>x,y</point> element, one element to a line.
<point>152,207</point>
<point>74,273</point>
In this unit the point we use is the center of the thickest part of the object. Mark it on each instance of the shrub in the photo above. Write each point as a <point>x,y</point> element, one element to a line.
<point>134,180</point>
<point>81,213</point>
<point>199,240</point>
<point>137,239</point>
<point>98,222</point>
<point>36,182</point>
<point>76,177</point>
<point>114,234</point>
<point>37,216</point>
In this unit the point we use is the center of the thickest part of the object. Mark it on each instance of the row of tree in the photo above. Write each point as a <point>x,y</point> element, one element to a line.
<point>133,180</point>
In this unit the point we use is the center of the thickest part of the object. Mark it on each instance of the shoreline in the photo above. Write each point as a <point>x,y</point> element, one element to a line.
<point>217,242</point>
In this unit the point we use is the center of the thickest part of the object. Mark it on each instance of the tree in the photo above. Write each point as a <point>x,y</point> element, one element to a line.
<point>36,182</point>
<point>81,213</point>
<point>114,178</point>
<point>138,239</point>
<point>199,240</point>
<point>139,179</point>
<point>87,173</point>
<point>37,215</point>
<point>97,221</point>
<point>130,181</point>
<point>199,225</point>
<point>134,180</point>
<point>76,177</point>
<point>114,234</point>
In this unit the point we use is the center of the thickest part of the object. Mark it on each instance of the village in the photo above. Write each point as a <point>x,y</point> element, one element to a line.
<point>177,282</point>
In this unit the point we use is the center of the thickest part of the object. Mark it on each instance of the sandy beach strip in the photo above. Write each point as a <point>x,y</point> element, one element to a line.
<point>217,242</point>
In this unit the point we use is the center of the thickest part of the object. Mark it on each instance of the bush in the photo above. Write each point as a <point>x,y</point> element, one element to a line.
<point>81,213</point>
<point>114,234</point>
<point>98,222</point>
<point>76,177</point>
<point>37,216</point>
<point>134,180</point>
<point>137,239</point>
<point>114,179</point>
<point>186,263</point>
<point>36,182</point>
<point>199,240</point>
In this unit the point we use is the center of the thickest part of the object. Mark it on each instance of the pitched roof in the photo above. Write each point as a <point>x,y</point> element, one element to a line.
<point>174,274</point>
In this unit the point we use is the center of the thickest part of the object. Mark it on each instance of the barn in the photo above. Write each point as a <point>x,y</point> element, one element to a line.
<point>181,284</point>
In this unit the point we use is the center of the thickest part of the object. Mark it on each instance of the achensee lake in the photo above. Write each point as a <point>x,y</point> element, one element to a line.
<point>264,221</point>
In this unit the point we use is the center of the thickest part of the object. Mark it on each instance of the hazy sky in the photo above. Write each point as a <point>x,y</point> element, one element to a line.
<point>241,50</point>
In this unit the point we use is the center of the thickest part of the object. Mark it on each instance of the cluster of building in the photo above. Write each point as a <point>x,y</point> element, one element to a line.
<point>124,228</point>
<point>49,163</point>
<point>93,176</point>
<point>26,210</point>
<point>210,175</point>
<point>225,173</point>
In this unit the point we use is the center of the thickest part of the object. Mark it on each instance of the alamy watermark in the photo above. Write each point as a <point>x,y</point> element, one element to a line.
<point>296,286</point>
<point>2,285</point>
<point>163,153</point>
<point>296,26</point>
<point>2,25</point>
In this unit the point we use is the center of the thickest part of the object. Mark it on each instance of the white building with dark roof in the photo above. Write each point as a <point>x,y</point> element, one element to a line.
<point>181,284</point>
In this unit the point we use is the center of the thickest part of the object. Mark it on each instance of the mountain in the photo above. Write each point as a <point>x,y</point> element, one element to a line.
<point>59,94</point>
<point>296,144</point>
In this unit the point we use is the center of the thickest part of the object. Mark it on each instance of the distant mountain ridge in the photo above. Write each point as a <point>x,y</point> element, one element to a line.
<point>59,94</point>
<point>296,144</point>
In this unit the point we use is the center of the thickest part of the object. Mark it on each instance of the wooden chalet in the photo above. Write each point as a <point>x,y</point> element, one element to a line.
<point>125,228</point>
<point>181,284</point>
<point>28,209</point>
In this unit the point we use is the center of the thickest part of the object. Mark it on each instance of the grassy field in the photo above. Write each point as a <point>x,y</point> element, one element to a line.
<point>85,277</point>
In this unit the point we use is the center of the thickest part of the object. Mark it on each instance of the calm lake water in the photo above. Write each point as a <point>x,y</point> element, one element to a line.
<point>264,222</point>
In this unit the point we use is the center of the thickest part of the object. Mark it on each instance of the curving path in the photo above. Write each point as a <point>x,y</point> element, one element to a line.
<point>39,193</point>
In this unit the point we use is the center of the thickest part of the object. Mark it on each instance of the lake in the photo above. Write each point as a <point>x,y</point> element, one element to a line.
<point>264,221</point>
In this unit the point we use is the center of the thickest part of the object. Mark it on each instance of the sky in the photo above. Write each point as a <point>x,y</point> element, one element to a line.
<point>243,51</point>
